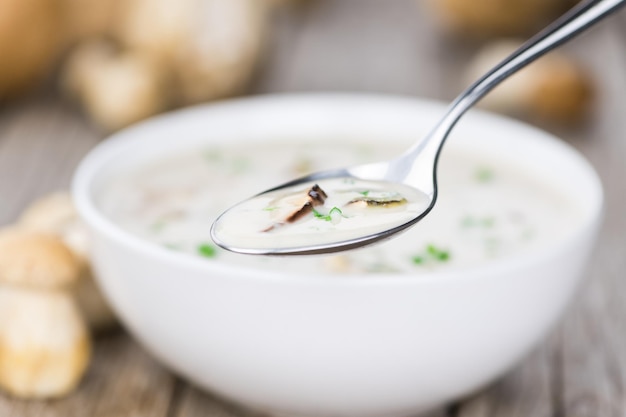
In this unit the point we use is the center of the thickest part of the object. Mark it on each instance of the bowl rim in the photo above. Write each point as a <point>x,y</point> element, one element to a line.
<point>90,166</point>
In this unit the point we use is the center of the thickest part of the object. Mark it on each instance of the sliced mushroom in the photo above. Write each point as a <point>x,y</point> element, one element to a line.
<point>378,201</point>
<point>293,207</point>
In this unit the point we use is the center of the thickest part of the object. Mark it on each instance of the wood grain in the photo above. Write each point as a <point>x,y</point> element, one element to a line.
<point>387,47</point>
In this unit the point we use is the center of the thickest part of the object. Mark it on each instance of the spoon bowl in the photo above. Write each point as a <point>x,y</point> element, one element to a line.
<point>416,168</point>
<point>379,173</point>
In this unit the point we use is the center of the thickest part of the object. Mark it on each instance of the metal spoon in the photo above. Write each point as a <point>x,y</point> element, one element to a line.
<point>417,167</point>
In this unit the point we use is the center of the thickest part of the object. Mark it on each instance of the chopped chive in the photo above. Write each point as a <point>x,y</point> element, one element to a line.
<point>431,254</point>
<point>334,213</point>
<point>484,175</point>
<point>335,210</point>
<point>443,256</point>
<point>365,193</point>
<point>206,250</point>
<point>270,208</point>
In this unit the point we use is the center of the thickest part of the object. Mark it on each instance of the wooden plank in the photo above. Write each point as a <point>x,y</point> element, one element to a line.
<point>197,403</point>
<point>42,141</point>
<point>594,334</point>
<point>528,390</point>
<point>353,45</point>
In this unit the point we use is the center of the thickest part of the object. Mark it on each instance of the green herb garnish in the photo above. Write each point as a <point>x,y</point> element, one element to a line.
<point>365,193</point>
<point>484,175</point>
<point>431,254</point>
<point>270,208</point>
<point>207,250</point>
<point>328,217</point>
<point>438,254</point>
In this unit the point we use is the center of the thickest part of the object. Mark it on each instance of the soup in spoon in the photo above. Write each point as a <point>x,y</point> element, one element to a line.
<point>317,213</point>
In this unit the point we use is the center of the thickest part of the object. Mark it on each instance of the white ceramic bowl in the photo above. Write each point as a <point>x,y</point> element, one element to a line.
<point>314,345</point>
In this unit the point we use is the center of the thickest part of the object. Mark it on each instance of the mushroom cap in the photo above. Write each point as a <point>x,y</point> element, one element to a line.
<point>55,213</point>
<point>554,89</point>
<point>36,259</point>
<point>49,213</point>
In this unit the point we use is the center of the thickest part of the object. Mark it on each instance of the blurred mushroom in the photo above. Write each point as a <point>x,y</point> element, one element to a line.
<point>166,53</point>
<point>210,46</point>
<point>485,18</point>
<point>116,88</point>
<point>36,260</point>
<point>44,342</point>
<point>91,18</point>
<point>56,214</point>
<point>31,38</point>
<point>553,89</point>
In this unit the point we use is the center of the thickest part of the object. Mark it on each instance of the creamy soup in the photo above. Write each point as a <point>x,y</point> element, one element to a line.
<point>488,208</point>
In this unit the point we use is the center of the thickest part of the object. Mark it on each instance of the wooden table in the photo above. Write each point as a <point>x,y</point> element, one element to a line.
<point>579,370</point>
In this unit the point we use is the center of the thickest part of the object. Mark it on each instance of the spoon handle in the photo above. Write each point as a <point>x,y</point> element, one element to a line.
<point>560,31</point>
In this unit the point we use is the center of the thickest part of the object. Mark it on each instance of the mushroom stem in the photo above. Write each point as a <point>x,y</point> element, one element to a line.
<point>44,343</point>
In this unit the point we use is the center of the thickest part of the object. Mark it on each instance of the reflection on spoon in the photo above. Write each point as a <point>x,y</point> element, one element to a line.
<point>412,174</point>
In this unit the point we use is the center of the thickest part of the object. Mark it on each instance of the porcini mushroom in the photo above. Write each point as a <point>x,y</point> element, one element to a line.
<point>44,342</point>
<point>553,89</point>
<point>56,214</point>
<point>292,207</point>
<point>486,18</point>
<point>117,88</point>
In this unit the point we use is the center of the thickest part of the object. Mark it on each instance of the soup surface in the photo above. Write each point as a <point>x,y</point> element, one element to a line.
<point>488,208</point>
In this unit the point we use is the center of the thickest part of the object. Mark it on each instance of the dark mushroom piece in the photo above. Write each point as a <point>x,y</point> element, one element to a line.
<point>303,204</point>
